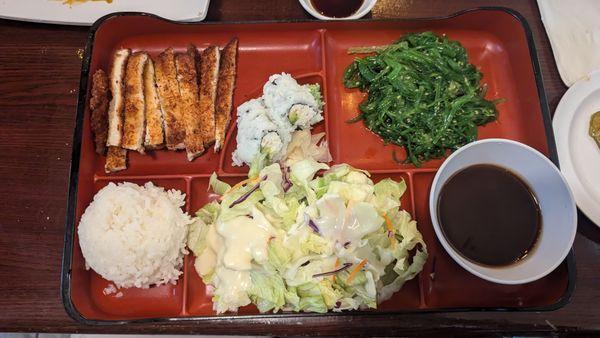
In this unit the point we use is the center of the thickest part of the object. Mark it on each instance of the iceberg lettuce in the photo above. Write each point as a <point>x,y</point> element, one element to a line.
<point>336,241</point>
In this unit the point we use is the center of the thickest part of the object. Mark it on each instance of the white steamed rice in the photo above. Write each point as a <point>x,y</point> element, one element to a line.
<point>135,236</point>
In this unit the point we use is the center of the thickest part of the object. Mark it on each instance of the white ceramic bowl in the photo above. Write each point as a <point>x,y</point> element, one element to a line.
<point>559,213</point>
<point>362,11</point>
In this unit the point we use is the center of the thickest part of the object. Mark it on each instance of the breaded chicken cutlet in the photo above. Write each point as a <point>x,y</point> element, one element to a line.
<point>179,101</point>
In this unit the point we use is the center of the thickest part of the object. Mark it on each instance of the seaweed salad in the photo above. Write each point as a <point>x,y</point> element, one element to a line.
<point>423,94</point>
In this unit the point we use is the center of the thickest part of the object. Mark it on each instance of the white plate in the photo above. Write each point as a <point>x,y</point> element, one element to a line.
<point>578,154</point>
<point>85,14</point>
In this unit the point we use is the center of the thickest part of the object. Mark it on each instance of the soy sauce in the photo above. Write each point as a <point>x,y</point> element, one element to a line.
<point>337,8</point>
<point>489,215</point>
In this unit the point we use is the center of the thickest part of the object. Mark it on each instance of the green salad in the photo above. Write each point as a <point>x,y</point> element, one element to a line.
<point>423,94</point>
<point>287,239</point>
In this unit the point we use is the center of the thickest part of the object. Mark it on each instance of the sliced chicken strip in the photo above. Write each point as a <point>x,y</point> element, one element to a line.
<point>155,136</point>
<point>190,104</point>
<point>99,110</point>
<point>209,76</point>
<point>170,97</point>
<point>116,159</point>
<point>225,87</point>
<point>117,103</point>
<point>134,125</point>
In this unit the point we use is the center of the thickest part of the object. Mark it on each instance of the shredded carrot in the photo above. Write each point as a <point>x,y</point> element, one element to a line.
<point>355,271</point>
<point>390,228</point>
<point>337,265</point>
<point>240,184</point>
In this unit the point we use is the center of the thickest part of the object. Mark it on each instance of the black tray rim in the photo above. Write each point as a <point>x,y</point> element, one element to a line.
<point>69,240</point>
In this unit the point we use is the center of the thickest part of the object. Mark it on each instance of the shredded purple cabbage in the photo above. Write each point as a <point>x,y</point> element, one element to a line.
<point>248,193</point>
<point>286,184</point>
<point>346,245</point>
<point>313,226</point>
<point>390,234</point>
<point>329,273</point>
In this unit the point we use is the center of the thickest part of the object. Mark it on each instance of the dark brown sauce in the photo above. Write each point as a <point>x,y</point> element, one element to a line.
<point>489,215</point>
<point>337,8</point>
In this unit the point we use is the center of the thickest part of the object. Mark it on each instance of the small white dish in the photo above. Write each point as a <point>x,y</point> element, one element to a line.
<point>362,11</point>
<point>557,206</point>
<point>578,153</point>
<point>86,13</point>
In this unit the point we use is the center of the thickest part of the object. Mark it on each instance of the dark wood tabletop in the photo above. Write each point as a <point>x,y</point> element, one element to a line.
<point>39,79</point>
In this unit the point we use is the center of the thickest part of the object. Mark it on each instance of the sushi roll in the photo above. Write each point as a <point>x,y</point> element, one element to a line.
<point>290,105</point>
<point>265,125</point>
<point>257,134</point>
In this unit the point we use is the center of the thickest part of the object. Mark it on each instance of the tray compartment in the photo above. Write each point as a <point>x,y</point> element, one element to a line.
<point>443,280</point>
<point>231,143</point>
<point>490,49</point>
<point>198,300</point>
<point>409,297</point>
<point>92,293</point>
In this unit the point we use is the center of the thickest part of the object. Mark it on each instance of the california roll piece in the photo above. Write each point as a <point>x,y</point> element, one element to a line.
<point>272,145</point>
<point>256,134</point>
<point>282,93</point>
<point>303,116</point>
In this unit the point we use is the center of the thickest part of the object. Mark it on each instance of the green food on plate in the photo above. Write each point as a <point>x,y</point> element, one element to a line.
<point>423,94</point>
<point>594,130</point>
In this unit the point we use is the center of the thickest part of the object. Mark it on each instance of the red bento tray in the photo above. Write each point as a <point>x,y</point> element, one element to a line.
<point>498,42</point>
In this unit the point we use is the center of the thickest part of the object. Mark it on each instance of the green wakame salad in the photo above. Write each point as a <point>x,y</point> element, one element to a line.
<point>423,94</point>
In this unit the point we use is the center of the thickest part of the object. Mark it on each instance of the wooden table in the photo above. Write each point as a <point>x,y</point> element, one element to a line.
<point>39,77</point>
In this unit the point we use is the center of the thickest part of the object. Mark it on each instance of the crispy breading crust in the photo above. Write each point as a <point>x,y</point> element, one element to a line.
<point>225,87</point>
<point>168,92</point>
<point>190,105</point>
<point>155,136</point>
<point>134,124</point>
<point>209,76</point>
<point>99,110</point>
<point>116,159</point>
<point>117,103</point>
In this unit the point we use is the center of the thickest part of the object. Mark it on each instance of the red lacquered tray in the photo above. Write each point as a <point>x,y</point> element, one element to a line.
<point>498,42</point>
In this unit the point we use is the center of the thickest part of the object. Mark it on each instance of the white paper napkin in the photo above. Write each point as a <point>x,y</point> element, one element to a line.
<point>573,27</point>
